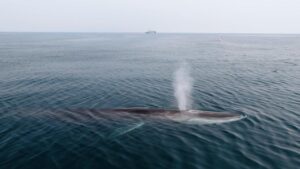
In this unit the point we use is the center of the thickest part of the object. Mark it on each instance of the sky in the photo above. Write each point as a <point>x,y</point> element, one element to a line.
<point>194,16</point>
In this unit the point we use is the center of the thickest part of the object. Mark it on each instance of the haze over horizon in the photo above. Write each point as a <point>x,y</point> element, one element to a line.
<point>190,16</point>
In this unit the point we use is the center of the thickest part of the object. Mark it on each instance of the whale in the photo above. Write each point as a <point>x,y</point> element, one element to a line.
<point>141,116</point>
<point>186,116</point>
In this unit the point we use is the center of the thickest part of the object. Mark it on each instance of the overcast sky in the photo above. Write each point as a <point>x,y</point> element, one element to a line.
<point>211,16</point>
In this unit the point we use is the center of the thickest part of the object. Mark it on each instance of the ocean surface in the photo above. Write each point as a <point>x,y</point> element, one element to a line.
<point>54,85</point>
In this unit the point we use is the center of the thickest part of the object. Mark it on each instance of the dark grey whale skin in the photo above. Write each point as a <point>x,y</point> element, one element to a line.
<point>199,113</point>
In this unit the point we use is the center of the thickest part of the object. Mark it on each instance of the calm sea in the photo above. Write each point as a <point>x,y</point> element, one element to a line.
<point>52,84</point>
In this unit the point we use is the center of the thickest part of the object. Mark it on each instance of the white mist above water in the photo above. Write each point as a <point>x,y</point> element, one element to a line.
<point>183,87</point>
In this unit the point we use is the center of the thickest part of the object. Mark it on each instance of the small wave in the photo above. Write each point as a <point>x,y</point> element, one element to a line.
<point>124,130</point>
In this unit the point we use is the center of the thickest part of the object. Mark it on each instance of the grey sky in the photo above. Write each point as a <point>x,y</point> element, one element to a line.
<point>229,16</point>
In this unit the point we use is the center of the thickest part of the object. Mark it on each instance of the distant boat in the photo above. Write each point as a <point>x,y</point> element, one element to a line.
<point>151,32</point>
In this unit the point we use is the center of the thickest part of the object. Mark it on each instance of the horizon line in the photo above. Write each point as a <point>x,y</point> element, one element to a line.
<point>121,32</point>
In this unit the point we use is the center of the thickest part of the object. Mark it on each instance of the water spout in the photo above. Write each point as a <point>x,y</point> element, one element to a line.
<point>183,87</point>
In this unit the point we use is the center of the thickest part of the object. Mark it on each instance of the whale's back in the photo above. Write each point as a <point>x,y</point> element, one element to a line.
<point>190,116</point>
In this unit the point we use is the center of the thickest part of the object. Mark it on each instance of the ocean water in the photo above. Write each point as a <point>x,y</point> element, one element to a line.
<point>52,86</point>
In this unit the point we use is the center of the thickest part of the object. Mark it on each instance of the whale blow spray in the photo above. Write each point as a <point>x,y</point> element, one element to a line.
<point>183,83</point>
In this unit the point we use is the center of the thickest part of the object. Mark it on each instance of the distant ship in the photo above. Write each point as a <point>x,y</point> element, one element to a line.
<point>151,32</point>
